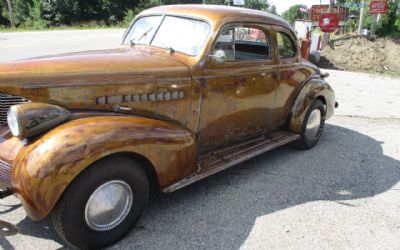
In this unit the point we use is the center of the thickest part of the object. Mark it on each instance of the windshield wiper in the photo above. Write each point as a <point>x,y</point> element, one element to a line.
<point>133,41</point>
<point>171,50</point>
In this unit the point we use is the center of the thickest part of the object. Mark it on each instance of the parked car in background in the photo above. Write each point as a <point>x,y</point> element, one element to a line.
<point>195,89</point>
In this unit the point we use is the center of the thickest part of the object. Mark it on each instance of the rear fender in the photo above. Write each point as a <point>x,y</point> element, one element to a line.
<point>313,89</point>
<point>45,167</point>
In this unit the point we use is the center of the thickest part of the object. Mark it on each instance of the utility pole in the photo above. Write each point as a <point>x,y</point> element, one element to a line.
<point>10,13</point>
<point>373,24</point>
<point>362,17</point>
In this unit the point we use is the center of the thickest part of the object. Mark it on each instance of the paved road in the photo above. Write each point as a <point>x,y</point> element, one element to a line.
<point>16,45</point>
<point>343,194</point>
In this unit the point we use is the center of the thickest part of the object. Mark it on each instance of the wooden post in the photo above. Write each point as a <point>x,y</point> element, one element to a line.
<point>10,13</point>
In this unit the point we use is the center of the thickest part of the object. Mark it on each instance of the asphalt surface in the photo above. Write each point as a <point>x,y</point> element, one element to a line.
<point>343,194</point>
<point>20,45</point>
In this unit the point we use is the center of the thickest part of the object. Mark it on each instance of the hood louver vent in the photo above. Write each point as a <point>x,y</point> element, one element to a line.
<point>6,101</point>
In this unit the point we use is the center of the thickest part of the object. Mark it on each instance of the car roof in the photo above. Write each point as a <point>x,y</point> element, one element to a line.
<point>219,15</point>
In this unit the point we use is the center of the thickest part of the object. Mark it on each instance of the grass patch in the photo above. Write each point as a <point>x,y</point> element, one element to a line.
<point>391,74</point>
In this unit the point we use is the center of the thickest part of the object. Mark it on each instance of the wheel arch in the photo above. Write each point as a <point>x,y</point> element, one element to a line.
<point>146,165</point>
<point>316,88</point>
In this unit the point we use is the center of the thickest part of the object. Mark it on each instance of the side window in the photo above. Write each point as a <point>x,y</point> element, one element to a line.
<point>244,44</point>
<point>226,43</point>
<point>287,49</point>
<point>251,44</point>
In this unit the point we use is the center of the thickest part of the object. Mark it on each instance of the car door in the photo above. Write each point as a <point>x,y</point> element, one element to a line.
<point>291,74</point>
<point>237,96</point>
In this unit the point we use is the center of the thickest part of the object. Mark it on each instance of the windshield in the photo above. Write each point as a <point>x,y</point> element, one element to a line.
<point>175,33</point>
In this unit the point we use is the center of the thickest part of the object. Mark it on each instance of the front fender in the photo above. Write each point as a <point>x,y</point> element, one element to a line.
<point>313,89</point>
<point>45,167</point>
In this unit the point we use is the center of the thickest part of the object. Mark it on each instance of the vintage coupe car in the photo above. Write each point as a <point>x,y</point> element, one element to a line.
<point>194,89</point>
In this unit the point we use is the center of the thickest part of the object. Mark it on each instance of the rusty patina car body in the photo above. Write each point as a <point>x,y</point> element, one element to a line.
<point>183,116</point>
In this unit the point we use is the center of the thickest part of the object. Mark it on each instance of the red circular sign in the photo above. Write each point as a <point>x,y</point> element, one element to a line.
<point>328,22</point>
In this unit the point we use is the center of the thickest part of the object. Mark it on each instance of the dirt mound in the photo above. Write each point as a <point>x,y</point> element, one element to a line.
<point>356,53</point>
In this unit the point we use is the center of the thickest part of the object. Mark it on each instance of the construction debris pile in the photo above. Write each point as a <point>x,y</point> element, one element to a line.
<point>361,54</point>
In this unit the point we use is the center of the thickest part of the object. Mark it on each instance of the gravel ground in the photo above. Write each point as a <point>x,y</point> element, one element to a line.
<point>343,194</point>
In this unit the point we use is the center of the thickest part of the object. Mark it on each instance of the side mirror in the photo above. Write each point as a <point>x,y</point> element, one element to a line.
<point>219,57</point>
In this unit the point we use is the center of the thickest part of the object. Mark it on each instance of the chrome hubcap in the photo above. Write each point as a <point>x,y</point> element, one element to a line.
<point>313,125</point>
<point>109,205</point>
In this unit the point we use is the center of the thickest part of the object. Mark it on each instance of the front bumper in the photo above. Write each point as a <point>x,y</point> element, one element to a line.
<point>5,179</point>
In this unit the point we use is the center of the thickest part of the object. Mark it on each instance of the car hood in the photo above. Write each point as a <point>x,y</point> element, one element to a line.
<point>124,65</point>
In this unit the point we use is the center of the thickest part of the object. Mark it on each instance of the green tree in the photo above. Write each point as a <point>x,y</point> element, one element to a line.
<point>20,11</point>
<point>388,21</point>
<point>61,11</point>
<point>74,11</point>
<point>256,4</point>
<point>10,13</point>
<point>181,1</point>
<point>3,13</point>
<point>295,12</point>
<point>143,5</point>
<point>217,2</point>
<point>35,19</point>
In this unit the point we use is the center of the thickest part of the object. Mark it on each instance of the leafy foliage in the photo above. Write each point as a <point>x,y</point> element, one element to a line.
<point>130,14</point>
<point>256,4</point>
<point>37,14</point>
<point>3,13</point>
<point>35,20</point>
<point>391,21</point>
<point>75,11</point>
<point>217,2</point>
<point>295,12</point>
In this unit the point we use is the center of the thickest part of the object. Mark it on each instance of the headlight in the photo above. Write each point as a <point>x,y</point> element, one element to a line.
<point>12,120</point>
<point>30,119</point>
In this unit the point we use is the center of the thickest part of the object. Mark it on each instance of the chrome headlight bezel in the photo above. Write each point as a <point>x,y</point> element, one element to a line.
<point>30,119</point>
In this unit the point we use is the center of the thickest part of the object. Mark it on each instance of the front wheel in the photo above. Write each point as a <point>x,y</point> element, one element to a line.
<point>313,125</point>
<point>102,204</point>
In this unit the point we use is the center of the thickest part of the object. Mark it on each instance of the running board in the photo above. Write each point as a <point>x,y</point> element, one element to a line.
<point>221,159</point>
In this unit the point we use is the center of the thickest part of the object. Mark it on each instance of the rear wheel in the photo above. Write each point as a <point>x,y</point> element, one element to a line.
<point>313,125</point>
<point>102,204</point>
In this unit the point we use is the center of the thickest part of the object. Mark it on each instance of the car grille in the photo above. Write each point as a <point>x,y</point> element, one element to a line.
<point>6,101</point>
<point>5,172</point>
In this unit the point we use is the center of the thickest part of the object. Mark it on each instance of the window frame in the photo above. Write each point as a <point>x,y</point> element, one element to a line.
<point>292,36</point>
<point>260,26</point>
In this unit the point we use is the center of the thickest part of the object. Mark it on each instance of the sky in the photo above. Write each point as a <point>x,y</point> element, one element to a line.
<point>283,5</point>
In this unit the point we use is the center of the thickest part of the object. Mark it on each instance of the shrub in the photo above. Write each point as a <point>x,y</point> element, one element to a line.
<point>128,17</point>
<point>35,19</point>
